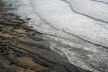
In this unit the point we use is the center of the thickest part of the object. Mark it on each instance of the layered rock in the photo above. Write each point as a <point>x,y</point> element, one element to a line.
<point>75,29</point>
<point>23,49</point>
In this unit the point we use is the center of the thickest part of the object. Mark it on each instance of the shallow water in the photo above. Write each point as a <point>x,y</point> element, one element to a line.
<point>75,29</point>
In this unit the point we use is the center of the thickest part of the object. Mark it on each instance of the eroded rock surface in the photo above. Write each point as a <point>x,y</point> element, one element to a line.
<point>75,29</point>
<point>24,50</point>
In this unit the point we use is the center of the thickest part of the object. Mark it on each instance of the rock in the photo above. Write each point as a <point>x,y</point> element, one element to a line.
<point>25,50</point>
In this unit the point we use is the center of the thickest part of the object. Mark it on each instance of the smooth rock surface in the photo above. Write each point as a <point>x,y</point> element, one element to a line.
<point>76,29</point>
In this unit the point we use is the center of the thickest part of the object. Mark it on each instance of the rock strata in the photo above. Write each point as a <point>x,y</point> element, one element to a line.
<point>24,50</point>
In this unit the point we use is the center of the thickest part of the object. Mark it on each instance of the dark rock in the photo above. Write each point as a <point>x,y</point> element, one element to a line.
<point>10,70</point>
